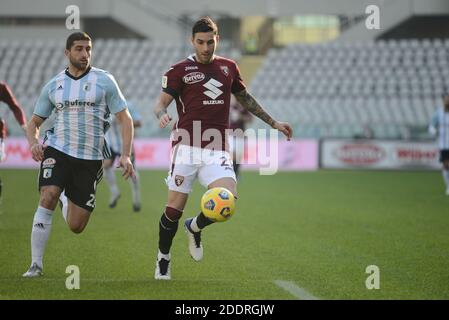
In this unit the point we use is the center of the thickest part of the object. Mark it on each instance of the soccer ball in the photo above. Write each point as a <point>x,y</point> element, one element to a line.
<point>218,204</point>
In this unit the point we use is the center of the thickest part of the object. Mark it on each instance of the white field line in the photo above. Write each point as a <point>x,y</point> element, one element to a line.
<point>294,290</point>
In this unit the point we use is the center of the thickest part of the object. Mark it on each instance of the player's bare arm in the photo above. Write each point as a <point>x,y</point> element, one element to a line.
<point>248,102</point>
<point>160,109</point>
<point>126,123</point>
<point>32,133</point>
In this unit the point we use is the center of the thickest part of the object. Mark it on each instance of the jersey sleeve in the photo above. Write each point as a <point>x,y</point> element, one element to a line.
<point>172,82</point>
<point>133,112</point>
<point>237,83</point>
<point>44,106</point>
<point>114,98</point>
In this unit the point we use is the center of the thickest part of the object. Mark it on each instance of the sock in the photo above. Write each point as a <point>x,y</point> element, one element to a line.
<point>168,226</point>
<point>109,173</point>
<point>446,177</point>
<point>200,222</point>
<point>236,168</point>
<point>65,205</point>
<point>135,188</point>
<point>40,233</point>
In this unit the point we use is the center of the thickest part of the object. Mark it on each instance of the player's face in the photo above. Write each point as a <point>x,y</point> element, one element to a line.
<point>79,54</point>
<point>205,44</point>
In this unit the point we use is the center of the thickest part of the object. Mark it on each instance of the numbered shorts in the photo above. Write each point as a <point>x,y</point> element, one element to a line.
<point>189,163</point>
<point>78,177</point>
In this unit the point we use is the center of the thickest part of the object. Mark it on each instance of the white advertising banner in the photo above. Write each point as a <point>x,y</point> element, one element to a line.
<point>378,154</point>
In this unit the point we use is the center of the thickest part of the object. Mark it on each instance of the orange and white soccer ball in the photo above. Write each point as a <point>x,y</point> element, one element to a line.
<point>218,204</point>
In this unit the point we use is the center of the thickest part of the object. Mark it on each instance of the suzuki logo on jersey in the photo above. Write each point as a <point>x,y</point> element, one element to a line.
<point>213,91</point>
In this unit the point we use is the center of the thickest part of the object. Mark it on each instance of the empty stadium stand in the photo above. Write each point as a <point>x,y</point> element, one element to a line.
<point>336,89</point>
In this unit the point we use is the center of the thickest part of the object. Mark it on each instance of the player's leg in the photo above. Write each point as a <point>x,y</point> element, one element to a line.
<point>52,177</point>
<point>179,181</point>
<point>2,147</point>
<point>2,139</point>
<point>109,173</point>
<point>135,186</point>
<point>168,226</point>
<point>81,192</point>
<point>217,172</point>
<point>446,171</point>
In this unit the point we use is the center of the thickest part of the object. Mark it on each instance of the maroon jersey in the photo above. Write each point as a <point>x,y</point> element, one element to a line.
<point>202,93</point>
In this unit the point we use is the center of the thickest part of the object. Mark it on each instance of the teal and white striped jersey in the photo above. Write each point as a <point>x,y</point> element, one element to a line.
<point>82,111</point>
<point>440,122</point>
<point>113,135</point>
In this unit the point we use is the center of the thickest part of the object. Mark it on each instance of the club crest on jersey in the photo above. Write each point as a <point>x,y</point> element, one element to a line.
<point>225,70</point>
<point>193,77</point>
<point>86,86</point>
<point>47,173</point>
<point>179,180</point>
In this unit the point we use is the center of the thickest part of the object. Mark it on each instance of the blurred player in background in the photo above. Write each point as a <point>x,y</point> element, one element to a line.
<point>7,96</point>
<point>239,117</point>
<point>114,140</point>
<point>73,151</point>
<point>202,86</point>
<point>440,126</point>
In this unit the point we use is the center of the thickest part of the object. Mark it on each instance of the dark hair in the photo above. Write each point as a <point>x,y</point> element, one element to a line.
<point>75,37</point>
<point>205,24</point>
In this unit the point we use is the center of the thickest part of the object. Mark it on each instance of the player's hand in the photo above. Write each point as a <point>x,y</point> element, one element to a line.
<point>285,128</point>
<point>164,120</point>
<point>127,167</point>
<point>37,151</point>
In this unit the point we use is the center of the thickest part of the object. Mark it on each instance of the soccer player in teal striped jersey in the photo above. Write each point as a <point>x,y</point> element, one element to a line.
<point>440,126</point>
<point>82,98</point>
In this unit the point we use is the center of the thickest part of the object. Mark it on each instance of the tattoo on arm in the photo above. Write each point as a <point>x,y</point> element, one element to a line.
<point>248,102</point>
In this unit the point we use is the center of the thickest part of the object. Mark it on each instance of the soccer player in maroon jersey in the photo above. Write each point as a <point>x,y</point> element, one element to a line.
<point>7,97</point>
<point>202,86</point>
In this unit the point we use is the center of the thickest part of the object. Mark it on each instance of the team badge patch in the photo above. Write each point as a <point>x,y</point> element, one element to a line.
<point>86,86</point>
<point>47,173</point>
<point>225,70</point>
<point>179,180</point>
<point>164,82</point>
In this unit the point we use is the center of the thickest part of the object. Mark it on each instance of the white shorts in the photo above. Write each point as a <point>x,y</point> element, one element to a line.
<point>188,163</point>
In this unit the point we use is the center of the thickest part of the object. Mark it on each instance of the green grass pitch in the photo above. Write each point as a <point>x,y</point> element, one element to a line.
<point>318,230</point>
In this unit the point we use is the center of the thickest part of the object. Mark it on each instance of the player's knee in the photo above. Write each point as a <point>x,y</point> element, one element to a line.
<point>172,213</point>
<point>49,197</point>
<point>77,227</point>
